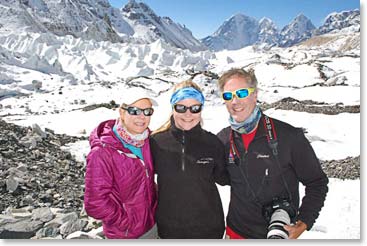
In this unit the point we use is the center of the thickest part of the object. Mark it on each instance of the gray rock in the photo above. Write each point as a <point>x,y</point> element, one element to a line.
<point>11,184</point>
<point>22,168</point>
<point>28,142</point>
<point>62,218</point>
<point>26,228</point>
<point>27,200</point>
<point>72,226</point>
<point>6,219</point>
<point>229,60</point>
<point>36,129</point>
<point>83,235</point>
<point>37,85</point>
<point>47,232</point>
<point>42,214</point>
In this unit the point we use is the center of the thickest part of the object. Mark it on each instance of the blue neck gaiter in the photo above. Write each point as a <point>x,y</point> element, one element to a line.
<point>249,124</point>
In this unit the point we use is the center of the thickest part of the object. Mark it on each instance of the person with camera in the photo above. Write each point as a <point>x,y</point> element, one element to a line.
<point>119,179</point>
<point>267,159</point>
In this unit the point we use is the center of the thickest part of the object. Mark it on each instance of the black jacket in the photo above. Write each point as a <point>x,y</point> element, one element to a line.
<point>188,164</point>
<point>256,180</point>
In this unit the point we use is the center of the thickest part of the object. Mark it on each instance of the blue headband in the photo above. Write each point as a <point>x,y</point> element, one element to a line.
<point>185,93</point>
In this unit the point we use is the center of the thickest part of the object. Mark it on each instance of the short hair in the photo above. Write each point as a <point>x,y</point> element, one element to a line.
<point>249,76</point>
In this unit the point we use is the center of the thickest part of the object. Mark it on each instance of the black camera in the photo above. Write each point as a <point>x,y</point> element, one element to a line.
<point>278,213</point>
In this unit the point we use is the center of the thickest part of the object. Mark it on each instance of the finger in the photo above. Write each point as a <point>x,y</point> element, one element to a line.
<point>288,228</point>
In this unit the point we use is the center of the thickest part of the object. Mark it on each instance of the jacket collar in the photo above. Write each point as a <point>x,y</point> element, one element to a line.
<point>103,135</point>
<point>260,132</point>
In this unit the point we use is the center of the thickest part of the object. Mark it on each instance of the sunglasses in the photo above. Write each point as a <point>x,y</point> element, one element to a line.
<point>179,108</point>
<point>240,94</point>
<point>138,111</point>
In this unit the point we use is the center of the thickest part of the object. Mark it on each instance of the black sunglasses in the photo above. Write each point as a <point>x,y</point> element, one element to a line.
<point>179,108</point>
<point>138,111</point>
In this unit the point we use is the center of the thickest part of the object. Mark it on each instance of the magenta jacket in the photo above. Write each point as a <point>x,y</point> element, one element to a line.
<point>119,187</point>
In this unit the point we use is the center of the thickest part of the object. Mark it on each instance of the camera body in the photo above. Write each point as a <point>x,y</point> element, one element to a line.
<point>278,213</point>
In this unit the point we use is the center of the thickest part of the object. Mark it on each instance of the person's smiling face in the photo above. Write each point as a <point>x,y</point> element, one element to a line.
<point>186,121</point>
<point>136,124</point>
<point>240,109</point>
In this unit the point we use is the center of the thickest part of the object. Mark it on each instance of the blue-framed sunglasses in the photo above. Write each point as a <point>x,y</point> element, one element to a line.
<point>138,111</point>
<point>240,94</point>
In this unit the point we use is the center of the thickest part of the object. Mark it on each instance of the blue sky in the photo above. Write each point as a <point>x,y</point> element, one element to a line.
<point>203,17</point>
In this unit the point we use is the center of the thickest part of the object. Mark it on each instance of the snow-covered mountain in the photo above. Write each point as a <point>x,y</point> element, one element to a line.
<point>81,19</point>
<point>268,33</point>
<point>298,30</point>
<point>149,27</point>
<point>238,32</point>
<point>338,21</point>
<point>95,20</point>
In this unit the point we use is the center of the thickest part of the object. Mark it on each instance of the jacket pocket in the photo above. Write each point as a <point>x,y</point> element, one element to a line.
<point>138,216</point>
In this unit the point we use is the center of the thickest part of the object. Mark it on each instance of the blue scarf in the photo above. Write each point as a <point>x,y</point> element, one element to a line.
<point>249,124</point>
<point>185,93</point>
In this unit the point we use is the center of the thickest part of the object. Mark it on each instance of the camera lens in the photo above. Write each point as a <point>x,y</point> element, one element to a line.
<point>278,219</point>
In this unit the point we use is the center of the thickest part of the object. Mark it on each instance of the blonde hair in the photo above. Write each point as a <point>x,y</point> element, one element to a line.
<point>249,76</point>
<point>183,84</point>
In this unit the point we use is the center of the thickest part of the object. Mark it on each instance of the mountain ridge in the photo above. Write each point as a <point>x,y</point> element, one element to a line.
<point>268,35</point>
<point>94,19</point>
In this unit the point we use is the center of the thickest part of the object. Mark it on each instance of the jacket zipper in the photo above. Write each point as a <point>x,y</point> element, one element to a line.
<point>146,181</point>
<point>127,230</point>
<point>146,184</point>
<point>145,167</point>
<point>183,153</point>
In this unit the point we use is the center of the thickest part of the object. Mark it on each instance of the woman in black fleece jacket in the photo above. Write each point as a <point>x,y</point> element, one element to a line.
<point>188,161</point>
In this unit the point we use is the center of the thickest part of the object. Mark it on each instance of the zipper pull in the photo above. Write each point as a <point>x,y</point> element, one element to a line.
<point>266,172</point>
<point>183,152</point>
<point>146,172</point>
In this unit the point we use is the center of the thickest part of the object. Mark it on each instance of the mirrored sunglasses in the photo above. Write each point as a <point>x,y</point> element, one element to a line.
<point>179,108</point>
<point>138,111</point>
<point>240,94</point>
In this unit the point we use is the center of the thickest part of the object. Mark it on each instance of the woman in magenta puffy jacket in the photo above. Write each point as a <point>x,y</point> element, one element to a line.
<point>119,180</point>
